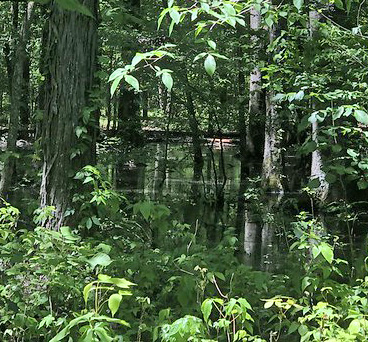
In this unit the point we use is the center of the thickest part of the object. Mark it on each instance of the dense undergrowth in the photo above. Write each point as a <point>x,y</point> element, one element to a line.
<point>128,272</point>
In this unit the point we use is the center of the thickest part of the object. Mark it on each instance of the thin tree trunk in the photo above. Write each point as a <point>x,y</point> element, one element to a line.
<point>17,69</point>
<point>194,128</point>
<point>25,101</point>
<point>271,167</point>
<point>242,127</point>
<point>317,162</point>
<point>255,83</point>
<point>72,48</point>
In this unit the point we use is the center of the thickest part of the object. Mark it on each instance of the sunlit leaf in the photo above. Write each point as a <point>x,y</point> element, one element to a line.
<point>114,303</point>
<point>210,65</point>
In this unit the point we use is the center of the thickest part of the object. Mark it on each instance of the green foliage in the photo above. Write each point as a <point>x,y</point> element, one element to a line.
<point>95,325</point>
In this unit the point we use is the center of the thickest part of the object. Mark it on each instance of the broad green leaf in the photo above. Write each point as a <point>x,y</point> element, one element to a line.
<point>314,183</point>
<point>116,73</point>
<point>115,84</point>
<point>293,327</point>
<point>302,330</point>
<point>298,4</point>
<point>315,252</point>
<point>268,304</point>
<point>361,116</point>
<point>327,252</point>
<point>100,259</point>
<point>132,81</point>
<point>136,59</point>
<point>244,303</point>
<point>114,303</point>
<point>122,283</point>
<point>175,16</point>
<point>67,234</point>
<point>269,21</point>
<point>103,335</point>
<point>206,309</point>
<point>119,282</point>
<point>167,80</point>
<point>199,56</point>
<point>210,65</point>
<point>354,327</point>
<point>212,44</point>
<point>86,291</point>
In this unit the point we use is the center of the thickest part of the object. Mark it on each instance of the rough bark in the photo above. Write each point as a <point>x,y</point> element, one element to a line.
<point>271,166</point>
<point>16,83</point>
<point>317,162</point>
<point>71,60</point>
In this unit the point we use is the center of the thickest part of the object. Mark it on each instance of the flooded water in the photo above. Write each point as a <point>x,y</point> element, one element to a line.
<point>214,198</point>
<point>211,197</point>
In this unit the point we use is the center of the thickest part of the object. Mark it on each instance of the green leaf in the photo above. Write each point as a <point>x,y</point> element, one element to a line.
<point>269,21</point>
<point>293,327</point>
<point>361,116</point>
<point>315,252</point>
<point>89,223</point>
<point>298,4</point>
<point>199,56</point>
<point>86,291</point>
<point>210,65</point>
<point>268,304</point>
<point>167,80</point>
<point>212,44</point>
<point>206,309</point>
<point>175,16</point>
<point>314,183</point>
<point>100,259</point>
<point>136,59</point>
<point>67,234</point>
<point>115,84</point>
<point>339,4</point>
<point>132,81</point>
<point>103,335</point>
<point>327,252</point>
<point>114,303</point>
<point>119,282</point>
<point>354,327</point>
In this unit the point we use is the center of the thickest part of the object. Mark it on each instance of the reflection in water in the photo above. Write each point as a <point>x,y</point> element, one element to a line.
<point>211,194</point>
<point>259,248</point>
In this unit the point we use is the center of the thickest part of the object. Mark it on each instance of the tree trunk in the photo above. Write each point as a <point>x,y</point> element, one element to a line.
<point>255,83</point>
<point>271,167</point>
<point>317,162</point>
<point>71,59</point>
<point>16,82</point>
<point>25,101</point>
<point>129,124</point>
<point>194,129</point>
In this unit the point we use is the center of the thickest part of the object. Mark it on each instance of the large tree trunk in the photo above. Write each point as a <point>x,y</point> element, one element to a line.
<point>271,166</point>
<point>71,59</point>
<point>16,82</point>
<point>317,162</point>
